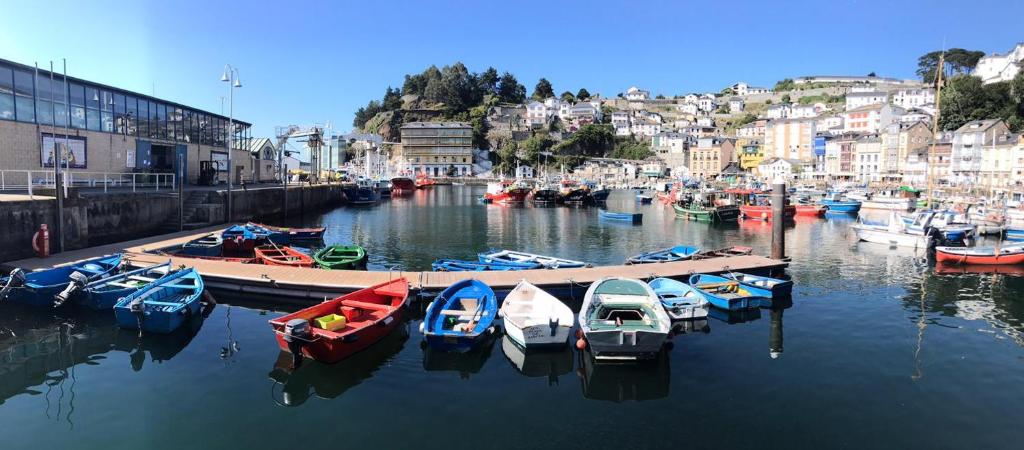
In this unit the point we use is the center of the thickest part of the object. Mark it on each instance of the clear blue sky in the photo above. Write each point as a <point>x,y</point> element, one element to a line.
<point>315,62</point>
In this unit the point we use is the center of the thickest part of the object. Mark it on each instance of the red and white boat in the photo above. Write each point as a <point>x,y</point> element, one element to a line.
<point>275,255</point>
<point>359,319</point>
<point>422,182</point>
<point>402,185</point>
<point>810,210</point>
<point>1005,255</point>
<point>499,193</point>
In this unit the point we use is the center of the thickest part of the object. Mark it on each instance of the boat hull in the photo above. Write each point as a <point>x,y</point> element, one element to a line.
<point>880,236</point>
<point>626,344</point>
<point>764,213</point>
<point>967,255</point>
<point>810,210</point>
<point>538,336</point>
<point>161,318</point>
<point>843,207</point>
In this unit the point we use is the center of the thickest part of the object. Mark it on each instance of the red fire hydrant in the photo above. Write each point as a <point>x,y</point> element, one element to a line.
<point>41,241</point>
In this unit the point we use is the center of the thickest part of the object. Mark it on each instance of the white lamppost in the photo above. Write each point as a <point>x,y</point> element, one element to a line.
<point>231,77</point>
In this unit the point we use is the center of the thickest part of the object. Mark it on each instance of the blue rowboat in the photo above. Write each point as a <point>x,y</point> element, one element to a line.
<point>266,234</point>
<point>460,317</point>
<point>728,294</point>
<point>209,245</point>
<point>41,288</point>
<point>677,253</point>
<point>104,293</point>
<point>844,206</point>
<point>1014,234</point>
<point>512,256</point>
<point>765,286</point>
<point>163,305</point>
<point>681,301</point>
<point>623,217</point>
<point>457,265</point>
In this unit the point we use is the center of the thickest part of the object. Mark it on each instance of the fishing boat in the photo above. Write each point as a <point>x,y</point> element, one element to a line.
<point>274,255</point>
<point>460,317</point>
<point>422,182</point>
<point>727,294</point>
<point>40,288</point>
<point>363,194</point>
<point>457,265</point>
<point>303,234</point>
<point>810,210</point>
<point>504,193</point>
<point>402,185</point>
<point>534,318</point>
<point>240,239</point>
<point>760,285</point>
<point>680,300</point>
<point>336,329</point>
<point>677,253</point>
<point>577,196</point>
<point>764,212</point>
<point>544,195</point>
<point>340,257</point>
<point>163,305</point>
<point>622,319</point>
<point>209,245</point>
<point>634,218</point>
<point>512,256</point>
<point>835,202</point>
<point>990,255</point>
<point>383,188</point>
<point>600,195</point>
<point>104,293</point>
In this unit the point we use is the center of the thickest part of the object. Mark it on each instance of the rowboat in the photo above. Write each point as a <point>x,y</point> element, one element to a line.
<point>334,330</point>
<point>240,239</point>
<point>459,265</point>
<point>338,257</point>
<point>893,233</point>
<point>274,255</point>
<point>104,293</point>
<point>759,285</point>
<point>677,253</point>
<point>810,210</point>
<point>622,319</point>
<point>680,300</point>
<point>41,288</point>
<point>726,213</point>
<point>512,256</point>
<point>728,294</point>
<point>460,316</point>
<point>264,234</point>
<point>1004,255</point>
<point>230,259</point>
<point>634,218</point>
<point>209,245</point>
<point>163,305</point>
<point>304,234</point>
<point>534,318</point>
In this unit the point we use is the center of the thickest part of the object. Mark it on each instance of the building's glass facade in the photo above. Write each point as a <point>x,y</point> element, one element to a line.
<point>28,95</point>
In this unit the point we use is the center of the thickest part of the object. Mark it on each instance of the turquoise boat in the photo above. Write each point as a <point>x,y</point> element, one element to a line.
<point>681,301</point>
<point>104,293</point>
<point>726,293</point>
<point>634,218</point>
<point>41,288</point>
<point>764,286</point>
<point>163,305</point>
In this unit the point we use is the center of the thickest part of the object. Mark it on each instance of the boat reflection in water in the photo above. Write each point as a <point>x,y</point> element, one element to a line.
<point>620,382</point>
<point>465,363</point>
<point>697,326</point>
<point>733,317</point>
<point>329,381</point>
<point>543,362</point>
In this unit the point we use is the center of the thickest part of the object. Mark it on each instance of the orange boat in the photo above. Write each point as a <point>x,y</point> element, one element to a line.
<point>422,182</point>
<point>1008,255</point>
<point>810,210</point>
<point>764,212</point>
<point>335,329</point>
<point>274,255</point>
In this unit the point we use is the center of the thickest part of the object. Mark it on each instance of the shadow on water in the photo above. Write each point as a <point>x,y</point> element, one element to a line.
<point>620,382</point>
<point>465,363</point>
<point>550,363</point>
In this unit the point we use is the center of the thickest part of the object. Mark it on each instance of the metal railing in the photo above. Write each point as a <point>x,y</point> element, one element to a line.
<point>28,180</point>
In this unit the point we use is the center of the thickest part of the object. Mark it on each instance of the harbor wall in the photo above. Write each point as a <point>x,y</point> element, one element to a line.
<point>269,204</point>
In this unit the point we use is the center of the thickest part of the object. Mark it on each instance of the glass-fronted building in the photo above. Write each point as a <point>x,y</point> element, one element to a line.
<point>115,130</point>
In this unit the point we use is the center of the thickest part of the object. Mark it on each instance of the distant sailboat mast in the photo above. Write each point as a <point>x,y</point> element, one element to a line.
<point>935,125</point>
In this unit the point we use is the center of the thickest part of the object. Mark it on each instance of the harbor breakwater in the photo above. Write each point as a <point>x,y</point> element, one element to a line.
<point>92,219</point>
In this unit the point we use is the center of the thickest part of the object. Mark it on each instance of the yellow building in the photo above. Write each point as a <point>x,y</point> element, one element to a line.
<point>751,153</point>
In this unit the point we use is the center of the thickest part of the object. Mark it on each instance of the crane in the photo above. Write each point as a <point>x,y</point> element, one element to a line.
<point>314,135</point>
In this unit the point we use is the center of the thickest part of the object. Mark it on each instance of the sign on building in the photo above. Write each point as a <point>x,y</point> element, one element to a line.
<point>72,151</point>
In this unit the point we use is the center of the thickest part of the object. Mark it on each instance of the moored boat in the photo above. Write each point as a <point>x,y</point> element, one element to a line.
<point>163,305</point>
<point>512,256</point>
<point>310,233</point>
<point>334,330</point>
<point>460,316</point>
<point>677,253</point>
<point>240,239</point>
<point>810,210</point>
<point>760,285</point>
<point>209,245</point>
<point>230,259</point>
<point>990,255</point>
<point>622,319</point>
<point>576,196</point>
<point>643,198</point>
<point>836,202</point>
<point>457,265</point>
<point>340,257</point>
<point>634,218</point>
<point>534,318</point>
<point>274,255</point>
<point>727,294</point>
<point>544,196</point>
<point>40,288</point>
<point>363,194</point>
<point>764,212</point>
<point>104,293</point>
<point>402,185</point>
<point>600,195</point>
<point>680,300</point>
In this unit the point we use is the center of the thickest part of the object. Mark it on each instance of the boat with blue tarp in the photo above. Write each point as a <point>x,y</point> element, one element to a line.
<point>460,316</point>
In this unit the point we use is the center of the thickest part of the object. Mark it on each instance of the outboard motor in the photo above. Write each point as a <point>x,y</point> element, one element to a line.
<point>553,324</point>
<point>17,279</point>
<point>78,282</point>
<point>296,334</point>
<point>137,306</point>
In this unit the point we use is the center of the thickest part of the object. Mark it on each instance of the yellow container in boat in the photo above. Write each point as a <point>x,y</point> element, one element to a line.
<point>330,322</point>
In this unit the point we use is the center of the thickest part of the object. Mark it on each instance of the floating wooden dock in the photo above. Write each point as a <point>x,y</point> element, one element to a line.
<point>305,286</point>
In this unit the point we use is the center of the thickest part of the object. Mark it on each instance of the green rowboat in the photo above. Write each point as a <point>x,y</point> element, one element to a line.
<point>695,212</point>
<point>340,257</point>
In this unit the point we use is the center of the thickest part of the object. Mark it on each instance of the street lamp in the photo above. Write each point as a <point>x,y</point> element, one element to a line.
<point>231,77</point>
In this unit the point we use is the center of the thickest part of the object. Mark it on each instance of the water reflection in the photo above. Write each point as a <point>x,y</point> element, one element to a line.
<point>550,363</point>
<point>465,363</point>
<point>614,382</point>
<point>292,387</point>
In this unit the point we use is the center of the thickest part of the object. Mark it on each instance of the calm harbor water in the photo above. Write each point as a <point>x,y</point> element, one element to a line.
<point>878,350</point>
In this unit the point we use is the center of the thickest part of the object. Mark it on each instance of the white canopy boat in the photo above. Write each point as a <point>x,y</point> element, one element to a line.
<point>622,319</point>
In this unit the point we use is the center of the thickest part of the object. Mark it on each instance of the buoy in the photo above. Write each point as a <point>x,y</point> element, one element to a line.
<point>581,344</point>
<point>41,241</point>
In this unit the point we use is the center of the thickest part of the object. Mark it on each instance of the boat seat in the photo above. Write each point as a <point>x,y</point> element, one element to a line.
<point>159,303</point>
<point>458,312</point>
<point>389,293</point>
<point>716,285</point>
<point>470,303</point>
<point>365,305</point>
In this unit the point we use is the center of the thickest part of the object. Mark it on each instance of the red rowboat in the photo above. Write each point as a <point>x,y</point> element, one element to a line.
<point>810,210</point>
<point>273,255</point>
<point>758,212</point>
<point>216,258</point>
<point>369,315</point>
<point>1011,254</point>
